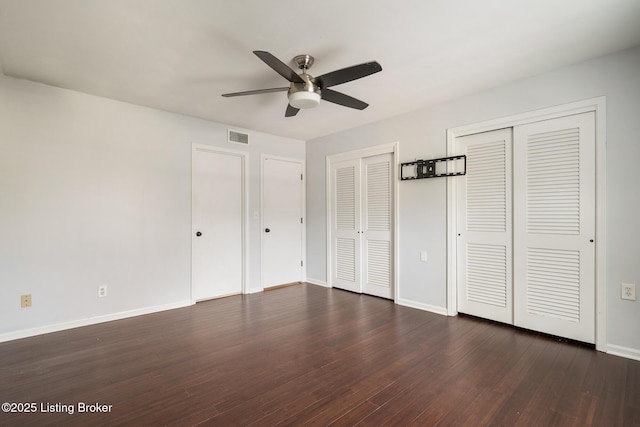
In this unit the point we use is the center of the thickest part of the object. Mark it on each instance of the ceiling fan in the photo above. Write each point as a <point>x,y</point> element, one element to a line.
<point>305,91</point>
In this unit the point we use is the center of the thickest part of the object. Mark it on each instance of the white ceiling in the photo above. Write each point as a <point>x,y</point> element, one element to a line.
<point>181,55</point>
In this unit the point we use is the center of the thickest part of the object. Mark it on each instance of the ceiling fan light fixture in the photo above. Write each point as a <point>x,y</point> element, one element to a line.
<point>304,99</point>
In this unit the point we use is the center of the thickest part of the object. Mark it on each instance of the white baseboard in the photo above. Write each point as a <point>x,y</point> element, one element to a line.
<point>25,333</point>
<point>316,282</point>
<point>618,350</point>
<point>422,306</point>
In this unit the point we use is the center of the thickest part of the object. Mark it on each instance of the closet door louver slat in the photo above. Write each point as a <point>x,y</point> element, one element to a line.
<point>487,274</point>
<point>553,199</point>
<point>345,198</point>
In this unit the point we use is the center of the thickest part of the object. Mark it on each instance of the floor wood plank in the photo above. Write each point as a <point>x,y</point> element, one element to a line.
<point>305,354</point>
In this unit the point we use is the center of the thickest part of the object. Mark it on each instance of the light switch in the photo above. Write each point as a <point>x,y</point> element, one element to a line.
<point>423,256</point>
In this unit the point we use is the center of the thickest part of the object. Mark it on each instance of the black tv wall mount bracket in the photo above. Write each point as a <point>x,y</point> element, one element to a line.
<point>434,168</point>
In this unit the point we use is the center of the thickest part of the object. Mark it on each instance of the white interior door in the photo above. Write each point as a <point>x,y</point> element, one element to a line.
<point>377,227</point>
<point>345,220</point>
<point>484,227</point>
<point>554,227</point>
<point>282,210</point>
<point>218,223</point>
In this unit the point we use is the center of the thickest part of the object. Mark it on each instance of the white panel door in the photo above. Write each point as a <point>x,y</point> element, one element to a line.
<point>218,224</point>
<point>377,227</point>
<point>345,220</point>
<point>554,226</point>
<point>282,209</point>
<point>484,227</point>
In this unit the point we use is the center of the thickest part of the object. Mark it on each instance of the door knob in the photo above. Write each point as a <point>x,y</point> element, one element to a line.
<point>267,230</point>
<point>198,234</point>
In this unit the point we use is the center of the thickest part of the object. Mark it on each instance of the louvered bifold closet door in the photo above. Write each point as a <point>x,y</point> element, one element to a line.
<point>377,233</point>
<point>484,227</point>
<point>345,221</point>
<point>554,226</point>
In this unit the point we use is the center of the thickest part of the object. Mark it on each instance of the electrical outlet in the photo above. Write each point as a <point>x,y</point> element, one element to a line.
<point>102,291</point>
<point>25,300</point>
<point>628,291</point>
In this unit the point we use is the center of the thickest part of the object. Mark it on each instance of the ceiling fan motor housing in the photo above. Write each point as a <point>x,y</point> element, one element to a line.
<point>304,95</point>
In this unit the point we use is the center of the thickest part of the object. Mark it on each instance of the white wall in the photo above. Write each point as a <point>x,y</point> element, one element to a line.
<point>98,192</point>
<point>422,134</point>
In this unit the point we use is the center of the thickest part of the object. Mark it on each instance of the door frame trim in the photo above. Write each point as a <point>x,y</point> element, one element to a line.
<point>244,160</point>
<point>302,162</point>
<point>596,105</point>
<point>390,148</point>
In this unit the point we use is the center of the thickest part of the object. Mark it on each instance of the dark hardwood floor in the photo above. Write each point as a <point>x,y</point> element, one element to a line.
<point>306,355</point>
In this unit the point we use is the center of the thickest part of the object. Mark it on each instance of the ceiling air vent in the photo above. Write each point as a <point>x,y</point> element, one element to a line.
<point>238,137</point>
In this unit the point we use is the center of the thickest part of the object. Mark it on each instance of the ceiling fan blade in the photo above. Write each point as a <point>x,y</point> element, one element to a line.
<point>291,111</point>
<point>342,99</point>
<point>280,67</point>
<point>256,92</point>
<point>348,74</point>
